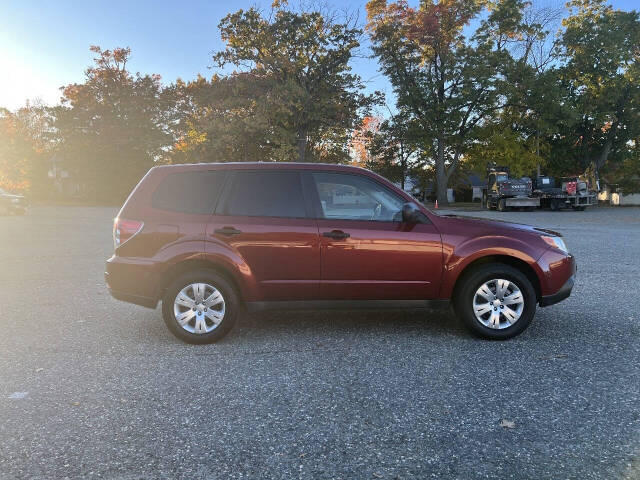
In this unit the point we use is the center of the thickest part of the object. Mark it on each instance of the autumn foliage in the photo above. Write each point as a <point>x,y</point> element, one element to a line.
<point>473,81</point>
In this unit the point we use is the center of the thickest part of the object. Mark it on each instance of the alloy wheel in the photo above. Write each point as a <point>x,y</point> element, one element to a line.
<point>498,303</point>
<point>199,308</point>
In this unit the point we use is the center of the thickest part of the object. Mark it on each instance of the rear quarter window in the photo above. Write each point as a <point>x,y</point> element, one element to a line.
<point>189,192</point>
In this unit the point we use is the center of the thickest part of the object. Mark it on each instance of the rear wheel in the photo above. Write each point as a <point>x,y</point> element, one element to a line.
<point>496,301</point>
<point>200,307</point>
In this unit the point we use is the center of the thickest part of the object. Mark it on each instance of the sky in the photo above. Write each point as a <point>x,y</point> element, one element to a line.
<point>45,45</point>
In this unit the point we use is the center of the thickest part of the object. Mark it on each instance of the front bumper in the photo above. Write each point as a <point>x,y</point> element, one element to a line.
<point>523,202</point>
<point>560,295</point>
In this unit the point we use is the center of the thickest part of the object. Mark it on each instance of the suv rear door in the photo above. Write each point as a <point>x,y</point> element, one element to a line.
<point>263,219</point>
<point>367,251</point>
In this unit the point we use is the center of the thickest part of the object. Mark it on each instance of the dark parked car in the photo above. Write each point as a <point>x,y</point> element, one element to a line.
<point>208,239</point>
<point>10,203</point>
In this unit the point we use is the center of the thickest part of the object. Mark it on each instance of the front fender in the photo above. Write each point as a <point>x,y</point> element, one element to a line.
<point>460,256</point>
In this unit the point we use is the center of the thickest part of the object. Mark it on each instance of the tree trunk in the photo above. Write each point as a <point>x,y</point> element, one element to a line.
<point>441,175</point>
<point>538,151</point>
<point>302,144</point>
<point>601,159</point>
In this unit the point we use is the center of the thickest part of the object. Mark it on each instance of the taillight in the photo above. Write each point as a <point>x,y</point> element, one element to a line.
<point>123,230</point>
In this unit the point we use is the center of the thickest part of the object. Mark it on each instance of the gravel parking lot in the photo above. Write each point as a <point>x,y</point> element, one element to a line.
<point>94,388</point>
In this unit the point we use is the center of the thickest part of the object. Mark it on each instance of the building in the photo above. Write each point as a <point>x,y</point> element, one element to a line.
<point>63,183</point>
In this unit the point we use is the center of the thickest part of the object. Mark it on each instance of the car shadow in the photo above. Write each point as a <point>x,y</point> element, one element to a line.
<point>317,324</point>
<point>304,327</point>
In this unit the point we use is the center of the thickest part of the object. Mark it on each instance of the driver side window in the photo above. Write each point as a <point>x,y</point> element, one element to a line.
<point>353,197</point>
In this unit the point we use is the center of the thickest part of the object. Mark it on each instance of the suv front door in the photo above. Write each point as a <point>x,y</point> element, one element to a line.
<point>263,219</point>
<point>367,252</point>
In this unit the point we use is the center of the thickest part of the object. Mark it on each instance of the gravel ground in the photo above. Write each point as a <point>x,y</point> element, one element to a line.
<point>94,388</point>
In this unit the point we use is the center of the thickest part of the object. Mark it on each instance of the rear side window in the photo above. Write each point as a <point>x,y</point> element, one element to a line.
<point>189,192</point>
<point>265,194</point>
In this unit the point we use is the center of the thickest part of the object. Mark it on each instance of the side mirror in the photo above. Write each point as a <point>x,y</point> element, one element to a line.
<point>411,215</point>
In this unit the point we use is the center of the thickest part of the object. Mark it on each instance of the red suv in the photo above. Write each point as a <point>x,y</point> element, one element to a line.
<point>208,239</point>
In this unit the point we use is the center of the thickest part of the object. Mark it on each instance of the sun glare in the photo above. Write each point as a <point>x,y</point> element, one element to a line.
<point>19,82</point>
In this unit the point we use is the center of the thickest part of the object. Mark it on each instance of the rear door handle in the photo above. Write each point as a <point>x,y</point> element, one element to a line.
<point>336,234</point>
<point>228,231</point>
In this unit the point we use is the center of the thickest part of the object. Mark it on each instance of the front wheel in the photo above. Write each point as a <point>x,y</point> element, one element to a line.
<point>200,307</point>
<point>502,205</point>
<point>496,301</point>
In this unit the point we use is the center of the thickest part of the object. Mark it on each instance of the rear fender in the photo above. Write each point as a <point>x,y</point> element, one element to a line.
<point>219,253</point>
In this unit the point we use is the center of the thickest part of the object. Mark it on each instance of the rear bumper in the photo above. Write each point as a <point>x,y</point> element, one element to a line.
<point>135,299</point>
<point>560,295</point>
<point>132,280</point>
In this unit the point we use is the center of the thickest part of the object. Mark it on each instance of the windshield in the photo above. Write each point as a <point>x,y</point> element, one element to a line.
<point>500,177</point>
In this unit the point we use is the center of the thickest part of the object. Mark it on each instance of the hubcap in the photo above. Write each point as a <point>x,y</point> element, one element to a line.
<point>199,308</point>
<point>498,303</point>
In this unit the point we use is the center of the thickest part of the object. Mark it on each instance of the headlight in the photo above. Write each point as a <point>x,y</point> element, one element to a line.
<point>556,242</point>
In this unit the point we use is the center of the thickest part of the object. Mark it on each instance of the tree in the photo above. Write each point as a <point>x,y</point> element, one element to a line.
<point>518,134</point>
<point>304,91</point>
<point>602,49</point>
<point>448,83</point>
<point>361,138</point>
<point>392,149</point>
<point>221,121</point>
<point>24,144</point>
<point>113,127</point>
<point>500,144</point>
<point>15,153</point>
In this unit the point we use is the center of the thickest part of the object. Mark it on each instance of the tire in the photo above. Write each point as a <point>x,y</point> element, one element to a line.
<point>554,204</point>
<point>489,206</point>
<point>502,205</point>
<point>467,300</point>
<point>197,318</point>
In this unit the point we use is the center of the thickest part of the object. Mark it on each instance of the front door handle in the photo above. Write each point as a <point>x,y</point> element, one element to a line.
<point>228,231</point>
<point>336,234</point>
